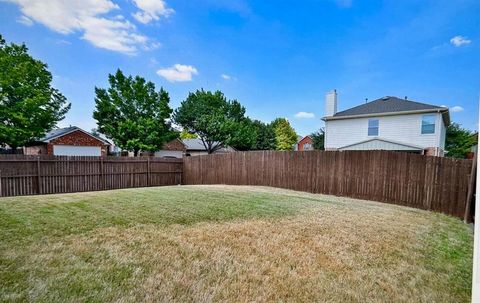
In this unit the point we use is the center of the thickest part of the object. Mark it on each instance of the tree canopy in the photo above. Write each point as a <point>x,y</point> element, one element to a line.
<point>186,135</point>
<point>265,134</point>
<point>458,141</point>
<point>29,105</point>
<point>133,114</point>
<point>218,122</point>
<point>285,135</point>
<point>318,139</point>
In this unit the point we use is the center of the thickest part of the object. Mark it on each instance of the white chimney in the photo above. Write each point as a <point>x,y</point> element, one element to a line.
<point>331,103</point>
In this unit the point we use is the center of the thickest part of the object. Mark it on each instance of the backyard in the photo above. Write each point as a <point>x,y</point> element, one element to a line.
<point>228,243</point>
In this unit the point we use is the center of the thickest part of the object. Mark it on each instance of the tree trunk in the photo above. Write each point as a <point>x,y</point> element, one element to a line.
<point>13,150</point>
<point>135,152</point>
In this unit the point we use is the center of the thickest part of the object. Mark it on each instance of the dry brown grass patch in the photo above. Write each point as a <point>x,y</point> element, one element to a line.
<point>311,257</point>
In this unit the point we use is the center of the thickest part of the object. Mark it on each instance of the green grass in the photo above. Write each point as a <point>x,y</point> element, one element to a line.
<point>222,243</point>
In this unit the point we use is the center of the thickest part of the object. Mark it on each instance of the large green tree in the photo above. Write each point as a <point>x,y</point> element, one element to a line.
<point>285,135</point>
<point>459,141</point>
<point>133,114</point>
<point>29,105</point>
<point>318,139</point>
<point>218,122</point>
<point>266,139</point>
<point>244,135</point>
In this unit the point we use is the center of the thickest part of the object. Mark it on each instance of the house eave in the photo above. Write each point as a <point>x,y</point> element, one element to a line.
<point>411,146</point>
<point>444,111</point>
<point>74,130</point>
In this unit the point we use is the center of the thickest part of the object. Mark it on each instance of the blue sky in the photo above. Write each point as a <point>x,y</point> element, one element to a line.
<point>278,58</point>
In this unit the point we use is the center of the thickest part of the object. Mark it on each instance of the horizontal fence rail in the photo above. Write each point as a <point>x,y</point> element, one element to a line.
<point>431,183</point>
<point>32,175</point>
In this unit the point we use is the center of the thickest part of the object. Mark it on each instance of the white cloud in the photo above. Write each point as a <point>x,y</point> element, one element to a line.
<point>456,109</point>
<point>226,77</point>
<point>178,73</point>
<point>459,41</point>
<point>25,20</point>
<point>66,17</point>
<point>151,10</point>
<point>304,115</point>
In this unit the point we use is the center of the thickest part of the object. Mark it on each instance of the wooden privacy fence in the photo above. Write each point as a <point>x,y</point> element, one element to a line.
<point>431,183</point>
<point>31,175</point>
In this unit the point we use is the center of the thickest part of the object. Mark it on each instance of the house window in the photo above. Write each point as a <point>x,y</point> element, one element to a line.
<point>307,146</point>
<point>428,124</point>
<point>373,127</point>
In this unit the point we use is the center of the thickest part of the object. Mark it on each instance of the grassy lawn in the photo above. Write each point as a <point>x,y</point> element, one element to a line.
<point>225,243</point>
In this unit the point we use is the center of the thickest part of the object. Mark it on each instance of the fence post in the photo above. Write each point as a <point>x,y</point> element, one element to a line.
<point>148,171</point>
<point>1,194</point>
<point>39,178</point>
<point>471,185</point>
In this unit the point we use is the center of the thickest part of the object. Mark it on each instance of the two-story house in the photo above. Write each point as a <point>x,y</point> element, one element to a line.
<point>388,123</point>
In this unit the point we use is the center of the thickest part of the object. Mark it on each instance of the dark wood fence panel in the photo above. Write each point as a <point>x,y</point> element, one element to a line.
<point>32,175</point>
<point>431,183</point>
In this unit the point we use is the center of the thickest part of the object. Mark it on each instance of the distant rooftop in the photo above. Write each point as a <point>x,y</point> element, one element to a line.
<point>387,105</point>
<point>193,144</point>
<point>58,132</point>
<point>196,144</point>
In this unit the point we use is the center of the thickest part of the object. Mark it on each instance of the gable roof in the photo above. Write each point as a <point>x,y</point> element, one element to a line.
<point>193,144</point>
<point>197,144</point>
<point>381,144</point>
<point>59,132</point>
<point>390,105</point>
<point>300,138</point>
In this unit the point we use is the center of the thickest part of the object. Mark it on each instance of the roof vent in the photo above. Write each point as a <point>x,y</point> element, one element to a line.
<point>385,98</point>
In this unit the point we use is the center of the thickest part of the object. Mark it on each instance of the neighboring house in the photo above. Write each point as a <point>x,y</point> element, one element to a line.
<point>305,143</point>
<point>68,141</point>
<point>388,123</point>
<point>187,147</point>
<point>172,149</point>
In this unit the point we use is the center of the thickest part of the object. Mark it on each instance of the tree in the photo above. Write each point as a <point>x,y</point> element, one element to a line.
<point>266,139</point>
<point>285,135</point>
<point>186,135</point>
<point>244,135</point>
<point>29,105</point>
<point>133,114</point>
<point>458,141</point>
<point>218,122</point>
<point>318,139</point>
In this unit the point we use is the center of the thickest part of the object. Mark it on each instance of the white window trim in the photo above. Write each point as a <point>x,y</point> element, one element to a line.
<point>368,127</point>
<point>435,122</point>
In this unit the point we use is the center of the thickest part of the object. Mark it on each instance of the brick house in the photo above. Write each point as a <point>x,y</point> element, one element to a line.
<point>187,147</point>
<point>69,141</point>
<point>305,143</point>
<point>173,149</point>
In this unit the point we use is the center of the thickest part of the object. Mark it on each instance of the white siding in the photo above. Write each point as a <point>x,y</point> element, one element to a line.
<point>400,128</point>
<point>380,145</point>
<point>443,134</point>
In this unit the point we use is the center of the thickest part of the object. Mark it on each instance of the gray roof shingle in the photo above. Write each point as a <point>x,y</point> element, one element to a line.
<point>58,132</point>
<point>387,105</point>
<point>197,144</point>
<point>193,144</point>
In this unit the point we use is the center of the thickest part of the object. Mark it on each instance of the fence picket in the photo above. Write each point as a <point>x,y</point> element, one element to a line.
<point>29,175</point>
<point>432,183</point>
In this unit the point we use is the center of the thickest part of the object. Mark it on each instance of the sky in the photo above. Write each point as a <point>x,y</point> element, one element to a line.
<point>277,58</point>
